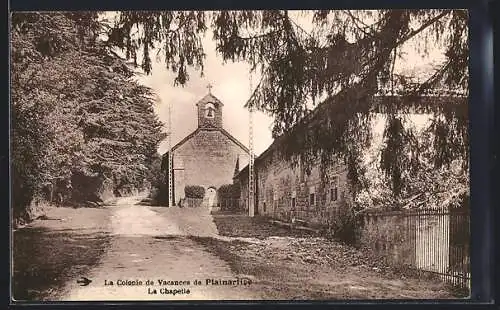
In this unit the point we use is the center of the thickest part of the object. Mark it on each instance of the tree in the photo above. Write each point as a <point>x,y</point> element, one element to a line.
<point>337,68</point>
<point>425,186</point>
<point>80,121</point>
<point>348,58</point>
<point>41,79</point>
<point>158,177</point>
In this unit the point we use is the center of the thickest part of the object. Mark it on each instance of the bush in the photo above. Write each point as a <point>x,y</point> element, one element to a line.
<point>229,191</point>
<point>159,195</point>
<point>343,226</point>
<point>194,191</point>
<point>228,196</point>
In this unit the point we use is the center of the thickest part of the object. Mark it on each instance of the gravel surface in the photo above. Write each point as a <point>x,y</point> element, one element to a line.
<point>307,267</point>
<point>127,241</point>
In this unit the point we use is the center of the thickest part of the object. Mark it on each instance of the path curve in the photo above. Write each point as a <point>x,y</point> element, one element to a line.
<point>153,243</point>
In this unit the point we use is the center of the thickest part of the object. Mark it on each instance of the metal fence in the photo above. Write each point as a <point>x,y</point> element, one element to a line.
<point>228,204</point>
<point>191,202</point>
<point>432,240</point>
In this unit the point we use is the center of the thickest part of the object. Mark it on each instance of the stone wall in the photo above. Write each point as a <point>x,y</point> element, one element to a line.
<point>243,181</point>
<point>411,238</point>
<point>191,202</point>
<point>389,234</point>
<point>284,189</point>
<point>426,240</point>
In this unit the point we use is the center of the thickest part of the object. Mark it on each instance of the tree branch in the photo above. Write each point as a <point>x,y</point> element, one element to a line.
<point>423,27</point>
<point>354,19</point>
<point>260,35</point>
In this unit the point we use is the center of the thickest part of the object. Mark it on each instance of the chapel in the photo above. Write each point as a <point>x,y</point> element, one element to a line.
<point>207,156</point>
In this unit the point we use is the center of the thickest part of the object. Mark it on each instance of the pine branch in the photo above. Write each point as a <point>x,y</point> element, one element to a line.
<point>355,22</point>
<point>423,27</point>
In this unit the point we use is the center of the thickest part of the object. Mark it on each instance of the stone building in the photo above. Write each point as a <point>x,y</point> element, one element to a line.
<point>208,155</point>
<point>286,190</point>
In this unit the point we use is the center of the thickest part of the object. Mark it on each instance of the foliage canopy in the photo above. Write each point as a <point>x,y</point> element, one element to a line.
<point>75,101</point>
<point>78,117</point>
<point>194,191</point>
<point>341,68</point>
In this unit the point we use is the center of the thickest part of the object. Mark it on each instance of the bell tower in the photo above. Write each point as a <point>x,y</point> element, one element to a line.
<point>209,111</point>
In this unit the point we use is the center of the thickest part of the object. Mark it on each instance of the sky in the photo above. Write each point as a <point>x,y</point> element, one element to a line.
<point>231,84</point>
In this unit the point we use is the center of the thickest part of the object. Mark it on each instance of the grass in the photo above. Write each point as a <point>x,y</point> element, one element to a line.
<point>64,246</point>
<point>44,260</point>
<point>304,268</point>
<point>240,225</point>
<point>226,251</point>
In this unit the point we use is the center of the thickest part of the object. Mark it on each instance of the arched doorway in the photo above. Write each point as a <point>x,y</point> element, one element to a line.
<point>211,196</point>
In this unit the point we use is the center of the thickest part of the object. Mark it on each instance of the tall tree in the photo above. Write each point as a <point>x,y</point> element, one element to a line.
<point>348,58</point>
<point>78,117</point>
<point>41,79</point>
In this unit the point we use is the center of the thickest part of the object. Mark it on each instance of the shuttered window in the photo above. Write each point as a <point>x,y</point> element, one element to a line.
<point>334,189</point>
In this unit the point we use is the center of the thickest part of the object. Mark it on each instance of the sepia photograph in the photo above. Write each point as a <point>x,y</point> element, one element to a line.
<point>239,155</point>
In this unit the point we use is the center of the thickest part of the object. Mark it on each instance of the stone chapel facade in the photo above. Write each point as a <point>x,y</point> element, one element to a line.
<point>208,155</point>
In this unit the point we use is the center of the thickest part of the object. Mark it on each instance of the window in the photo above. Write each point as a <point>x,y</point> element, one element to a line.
<point>312,199</point>
<point>293,203</point>
<point>312,196</point>
<point>264,206</point>
<point>301,170</point>
<point>334,189</point>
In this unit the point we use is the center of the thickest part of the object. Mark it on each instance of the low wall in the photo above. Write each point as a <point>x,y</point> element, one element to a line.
<point>389,234</point>
<point>192,202</point>
<point>229,204</point>
<point>316,218</point>
<point>417,238</point>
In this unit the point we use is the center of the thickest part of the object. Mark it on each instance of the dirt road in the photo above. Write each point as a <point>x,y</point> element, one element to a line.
<point>153,244</point>
<point>134,252</point>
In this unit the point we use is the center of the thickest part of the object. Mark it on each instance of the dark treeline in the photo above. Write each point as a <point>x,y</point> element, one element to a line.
<point>336,68</point>
<point>82,129</point>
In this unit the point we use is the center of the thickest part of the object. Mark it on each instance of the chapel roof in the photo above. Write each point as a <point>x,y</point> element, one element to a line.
<point>222,130</point>
<point>209,98</point>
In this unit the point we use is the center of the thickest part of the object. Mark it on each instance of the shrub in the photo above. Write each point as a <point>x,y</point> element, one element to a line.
<point>159,194</point>
<point>228,191</point>
<point>194,191</point>
<point>343,226</point>
<point>228,196</point>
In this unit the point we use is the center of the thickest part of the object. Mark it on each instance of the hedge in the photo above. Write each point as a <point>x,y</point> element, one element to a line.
<point>194,191</point>
<point>229,191</point>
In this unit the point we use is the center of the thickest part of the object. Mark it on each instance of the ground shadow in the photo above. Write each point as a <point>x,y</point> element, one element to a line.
<point>241,225</point>
<point>43,260</point>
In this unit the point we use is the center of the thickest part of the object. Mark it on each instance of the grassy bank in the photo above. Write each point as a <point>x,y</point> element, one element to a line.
<point>61,247</point>
<point>289,265</point>
<point>240,225</point>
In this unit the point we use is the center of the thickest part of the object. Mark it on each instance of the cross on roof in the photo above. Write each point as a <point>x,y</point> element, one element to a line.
<point>209,86</point>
